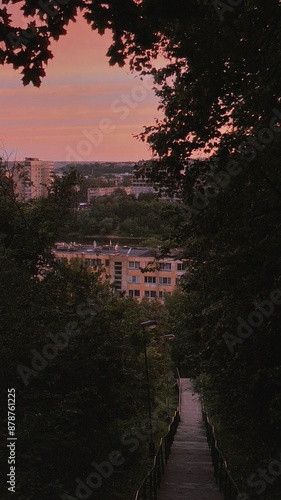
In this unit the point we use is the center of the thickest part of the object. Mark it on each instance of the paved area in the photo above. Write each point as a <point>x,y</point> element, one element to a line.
<point>189,473</point>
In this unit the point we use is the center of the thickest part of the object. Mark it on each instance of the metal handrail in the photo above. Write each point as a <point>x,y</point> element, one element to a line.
<point>222,474</point>
<point>179,388</point>
<point>151,483</point>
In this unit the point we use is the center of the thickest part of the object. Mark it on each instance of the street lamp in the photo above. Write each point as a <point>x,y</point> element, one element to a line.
<point>148,324</point>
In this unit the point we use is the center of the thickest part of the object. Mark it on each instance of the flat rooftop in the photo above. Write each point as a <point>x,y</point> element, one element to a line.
<point>105,249</point>
<point>111,250</point>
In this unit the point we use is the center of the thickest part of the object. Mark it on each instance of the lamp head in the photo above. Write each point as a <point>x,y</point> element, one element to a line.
<point>149,324</point>
<point>169,336</point>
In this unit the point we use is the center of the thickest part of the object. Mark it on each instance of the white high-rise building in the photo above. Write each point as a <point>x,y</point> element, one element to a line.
<point>35,178</point>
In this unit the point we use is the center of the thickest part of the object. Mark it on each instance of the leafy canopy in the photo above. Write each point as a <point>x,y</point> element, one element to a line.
<point>220,74</point>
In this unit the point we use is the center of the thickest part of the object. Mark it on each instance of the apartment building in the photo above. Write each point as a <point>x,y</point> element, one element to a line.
<point>95,192</point>
<point>141,185</point>
<point>133,271</point>
<point>34,178</point>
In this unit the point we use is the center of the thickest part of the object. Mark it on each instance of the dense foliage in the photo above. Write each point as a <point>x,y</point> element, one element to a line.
<point>227,316</point>
<point>74,352</point>
<point>124,215</point>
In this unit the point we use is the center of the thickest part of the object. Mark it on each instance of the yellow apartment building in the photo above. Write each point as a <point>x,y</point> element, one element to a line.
<point>133,271</point>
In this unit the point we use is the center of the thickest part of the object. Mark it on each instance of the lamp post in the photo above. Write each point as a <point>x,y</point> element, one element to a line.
<point>148,324</point>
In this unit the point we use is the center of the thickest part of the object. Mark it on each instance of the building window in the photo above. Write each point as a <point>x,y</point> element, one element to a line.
<point>134,279</point>
<point>151,294</point>
<point>94,262</point>
<point>151,280</point>
<point>165,281</point>
<point>61,260</point>
<point>107,262</point>
<point>178,281</point>
<point>180,267</point>
<point>165,266</point>
<point>134,293</point>
<point>134,264</point>
<point>161,295</point>
<point>118,275</point>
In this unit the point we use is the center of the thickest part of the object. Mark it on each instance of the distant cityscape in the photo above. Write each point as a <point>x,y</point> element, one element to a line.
<point>133,271</point>
<point>33,177</point>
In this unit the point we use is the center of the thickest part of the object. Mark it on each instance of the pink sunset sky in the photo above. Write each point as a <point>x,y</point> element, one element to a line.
<point>84,110</point>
